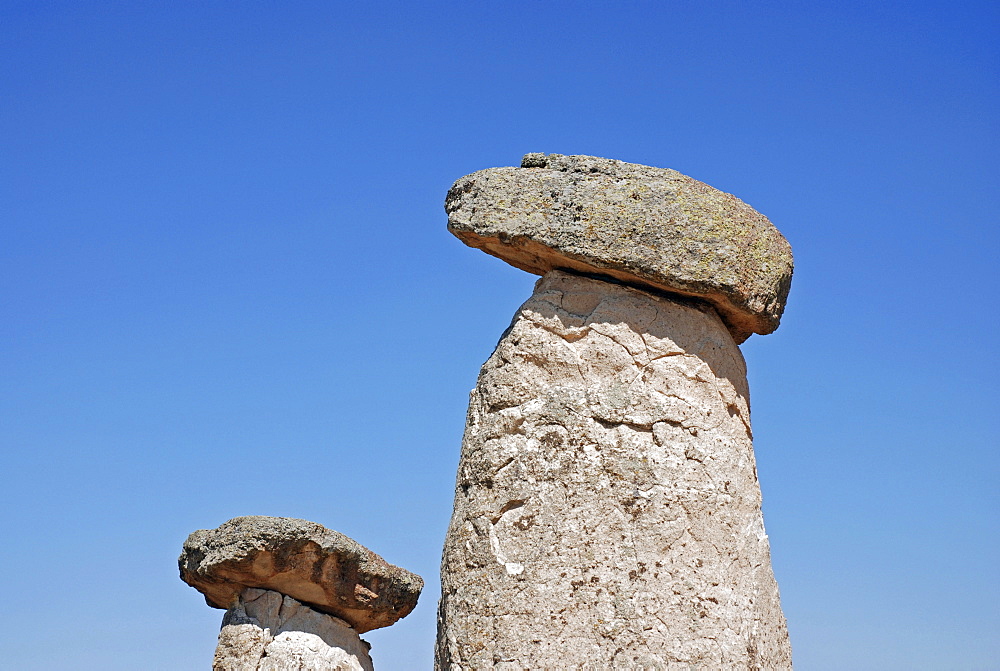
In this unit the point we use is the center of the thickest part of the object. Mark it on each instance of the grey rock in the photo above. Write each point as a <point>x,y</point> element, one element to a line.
<point>607,510</point>
<point>646,226</point>
<point>267,631</point>
<point>303,560</point>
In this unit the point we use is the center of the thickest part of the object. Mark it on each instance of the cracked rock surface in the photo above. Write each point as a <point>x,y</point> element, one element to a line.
<point>304,560</point>
<point>607,510</point>
<point>642,225</point>
<point>267,631</point>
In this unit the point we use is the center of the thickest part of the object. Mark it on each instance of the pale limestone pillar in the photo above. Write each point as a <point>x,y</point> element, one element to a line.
<point>607,510</point>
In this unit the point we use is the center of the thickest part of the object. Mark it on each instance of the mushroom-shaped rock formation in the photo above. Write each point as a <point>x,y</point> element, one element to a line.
<point>304,560</point>
<point>649,227</point>
<point>607,508</point>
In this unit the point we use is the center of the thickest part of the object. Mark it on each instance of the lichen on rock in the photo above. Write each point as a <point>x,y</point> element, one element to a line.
<point>650,227</point>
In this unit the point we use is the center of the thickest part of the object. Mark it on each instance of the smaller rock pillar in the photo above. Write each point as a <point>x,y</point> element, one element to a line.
<point>297,595</point>
<point>265,630</point>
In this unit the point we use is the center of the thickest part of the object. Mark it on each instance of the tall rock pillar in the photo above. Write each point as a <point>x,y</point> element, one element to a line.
<point>607,509</point>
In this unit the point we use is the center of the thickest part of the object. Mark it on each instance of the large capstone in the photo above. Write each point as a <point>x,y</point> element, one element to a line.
<point>646,226</point>
<point>607,510</point>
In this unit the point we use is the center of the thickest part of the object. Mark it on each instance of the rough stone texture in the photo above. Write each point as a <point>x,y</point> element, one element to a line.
<point>266,631</point>
<point>642,225</point>
<point>301,559</point>
<point>607,509</point>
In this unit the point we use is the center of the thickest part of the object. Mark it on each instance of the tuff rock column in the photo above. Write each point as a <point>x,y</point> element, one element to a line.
<point>297,595</point>
<point>607,510</point>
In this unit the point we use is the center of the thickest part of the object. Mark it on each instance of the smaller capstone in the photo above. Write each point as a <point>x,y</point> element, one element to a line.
<point>304,560</point>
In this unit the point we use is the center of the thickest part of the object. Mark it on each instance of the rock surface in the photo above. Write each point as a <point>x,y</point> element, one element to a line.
<point>607,510</point>
<point>642,225</point>
<point>266,631</point>
<point>301,559</point>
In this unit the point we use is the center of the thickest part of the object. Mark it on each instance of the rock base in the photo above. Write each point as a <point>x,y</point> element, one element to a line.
<point>266,631</point>
<point>607,510</point>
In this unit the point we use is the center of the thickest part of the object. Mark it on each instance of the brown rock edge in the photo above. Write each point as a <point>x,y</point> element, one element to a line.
<point>304,560</point>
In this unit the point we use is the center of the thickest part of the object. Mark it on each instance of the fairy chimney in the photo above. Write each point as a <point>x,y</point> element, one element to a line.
<point>607,510</point>
<point>296,594</point>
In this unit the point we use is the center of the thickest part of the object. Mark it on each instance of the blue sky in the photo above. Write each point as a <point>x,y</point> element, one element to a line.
<point>226,288</point>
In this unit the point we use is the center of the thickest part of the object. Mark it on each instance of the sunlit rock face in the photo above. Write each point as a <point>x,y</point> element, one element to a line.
<point>607,510</point>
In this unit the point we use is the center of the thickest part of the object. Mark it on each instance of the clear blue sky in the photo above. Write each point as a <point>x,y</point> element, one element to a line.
<point>226,288</point>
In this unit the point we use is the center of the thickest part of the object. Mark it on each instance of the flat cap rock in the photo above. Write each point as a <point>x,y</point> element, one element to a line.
<point>645,226</point>
<point>304,560</point>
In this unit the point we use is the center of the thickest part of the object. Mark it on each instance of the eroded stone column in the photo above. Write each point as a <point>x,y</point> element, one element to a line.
<point>607,505</point>
<point>607,510</point>
<point>267,631</point>
<point>297,595</point>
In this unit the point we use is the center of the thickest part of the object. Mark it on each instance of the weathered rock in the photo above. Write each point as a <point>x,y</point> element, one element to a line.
<point>303,560</point>
<point>645,226</point>
<point>607,510</point>
<point>266,631</point>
